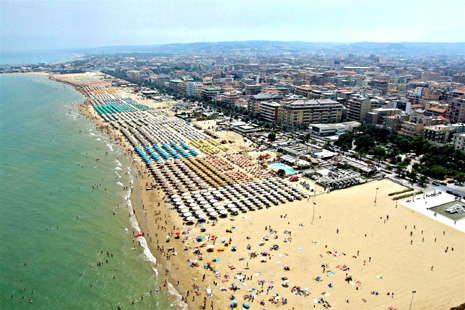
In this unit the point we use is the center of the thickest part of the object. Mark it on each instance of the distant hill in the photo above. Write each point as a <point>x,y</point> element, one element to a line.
<point>293,47</point>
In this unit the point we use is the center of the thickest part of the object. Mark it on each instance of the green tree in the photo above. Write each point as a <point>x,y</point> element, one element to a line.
<point>379,152</point>
<point>437,172</point>
<point>364,143</point>
<point>272,136</point>
<point>423,180</point>
<point>281,172</point>
<point>345,141</point>
<point>460,177</point>
<point>412,175</point>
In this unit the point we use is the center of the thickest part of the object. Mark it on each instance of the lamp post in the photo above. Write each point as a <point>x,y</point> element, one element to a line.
<point>313,217</point>
<point>376,194</point>
<point>413,294</point>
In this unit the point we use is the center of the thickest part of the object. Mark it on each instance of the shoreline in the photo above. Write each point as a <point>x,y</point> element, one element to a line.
<point>161,263</point>
<point>42,73</point>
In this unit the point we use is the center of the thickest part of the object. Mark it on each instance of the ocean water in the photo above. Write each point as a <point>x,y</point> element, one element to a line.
<point>36,57</point>
<point>60,209</point>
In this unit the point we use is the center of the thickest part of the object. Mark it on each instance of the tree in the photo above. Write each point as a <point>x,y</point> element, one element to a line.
<point>272,136</point>
<point>364,143</point>
<point>412,175</point>
<point>423,180</point>
<point>281,172</point>
<point>345,141</point>
<point>460,177</point>
<point>437,172</point>
<point>379,152</point>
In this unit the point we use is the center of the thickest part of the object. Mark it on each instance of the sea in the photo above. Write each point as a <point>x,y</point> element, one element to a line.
<point>36,57</point>
<point>62,211</point>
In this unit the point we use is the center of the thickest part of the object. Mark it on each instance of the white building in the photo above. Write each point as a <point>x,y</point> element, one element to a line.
<point>193,87</point>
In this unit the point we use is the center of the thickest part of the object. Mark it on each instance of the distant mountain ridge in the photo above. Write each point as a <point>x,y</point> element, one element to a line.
<point>293,47</point>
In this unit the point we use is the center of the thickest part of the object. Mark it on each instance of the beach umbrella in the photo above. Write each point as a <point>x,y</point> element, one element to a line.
<point>196,208</point>
<point>190,219</point>
<point>185,210</point>
<point>187,214</point>
<point>201,216</point>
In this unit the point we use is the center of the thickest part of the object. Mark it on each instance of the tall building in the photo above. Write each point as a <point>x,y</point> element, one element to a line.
<point>456,110</point>
<point>358,107</point>
<point>269,111</point>
<point>439,134</point>
<point>193,87</point>
<point>459,141</point>
<point>298,112</point>
<point>231,96</point>
<point>210,93</point>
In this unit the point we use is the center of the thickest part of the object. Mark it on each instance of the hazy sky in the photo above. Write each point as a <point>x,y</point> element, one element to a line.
<point>48,24</point>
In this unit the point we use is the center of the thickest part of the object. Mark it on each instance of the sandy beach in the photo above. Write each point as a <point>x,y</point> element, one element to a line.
<point>352,254</point>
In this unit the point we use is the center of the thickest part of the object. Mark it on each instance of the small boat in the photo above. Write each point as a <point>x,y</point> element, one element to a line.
<point>97,159</point>
<point>139,235</point>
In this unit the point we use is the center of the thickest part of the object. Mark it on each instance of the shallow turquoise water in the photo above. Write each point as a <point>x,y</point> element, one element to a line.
<point>57,204</point>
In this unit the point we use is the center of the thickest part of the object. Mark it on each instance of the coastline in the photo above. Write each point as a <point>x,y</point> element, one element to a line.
<point>151,213</point>
<point>138,206</point>
<point>42,73</point>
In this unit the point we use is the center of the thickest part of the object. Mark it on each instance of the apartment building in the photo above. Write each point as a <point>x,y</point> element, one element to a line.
<point>193,87</point>
<point>394,123</point>
<point>415,125</point>
<point>459,141</point>
<point>269,111</point>
<point>456,110</point>
<point>358,107</point>
<point>377,115</point>
<point>210,93</point>
<point>298,112</point>
<point>231,96</point>
<point>304,91</point>
<point>439,134</point>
